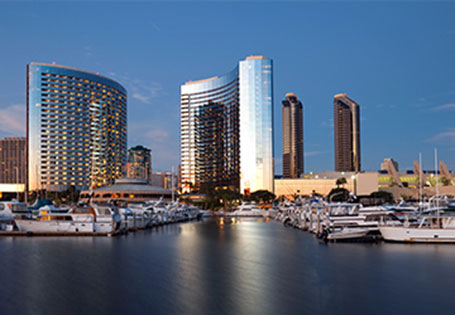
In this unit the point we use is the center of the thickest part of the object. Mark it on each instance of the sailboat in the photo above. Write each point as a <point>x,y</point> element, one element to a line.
<point>433,227</point>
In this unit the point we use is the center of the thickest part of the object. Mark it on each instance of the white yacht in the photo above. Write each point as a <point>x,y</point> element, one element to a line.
<point>106,217</point>
<point>247,209</point>
<point>52,223</point>
<point>430,229</point>
<point>354,222</point>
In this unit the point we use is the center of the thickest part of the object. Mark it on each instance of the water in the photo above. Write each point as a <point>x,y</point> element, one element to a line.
<point>251,267</point>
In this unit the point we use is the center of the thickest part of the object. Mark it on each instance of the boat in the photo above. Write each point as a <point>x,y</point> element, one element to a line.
<point>106,217</point>
<point>9,211</point>
<point>56,223</point>
<point>247,209</point>
<point>353,222</point>
<point>434,228</point>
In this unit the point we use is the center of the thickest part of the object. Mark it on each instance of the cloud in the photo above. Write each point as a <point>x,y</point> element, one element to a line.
<point>447,137</point>
<point>450,106</point>
<point>13,120</point>
<point>139,89</point>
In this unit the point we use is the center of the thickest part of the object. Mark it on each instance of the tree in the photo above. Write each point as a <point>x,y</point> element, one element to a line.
<point>341,181</point>
<point>386,196</point>
<point>338,194</point>
<point>262,195</point>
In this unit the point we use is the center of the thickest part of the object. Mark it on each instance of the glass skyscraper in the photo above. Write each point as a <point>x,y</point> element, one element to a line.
<point>209,133</point>
<point>226,129</point>
<point>76,128</point>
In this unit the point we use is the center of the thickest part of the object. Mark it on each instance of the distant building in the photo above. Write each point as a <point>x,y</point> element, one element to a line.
<point>76,128</point>
<point>323,182</point>
<point>347,134</point>
<point>292,126</point>
<point>127,189</point>
<point>166,180</point>
<point>226,129</point>
<point>139,163</point>
<point>12,161</point>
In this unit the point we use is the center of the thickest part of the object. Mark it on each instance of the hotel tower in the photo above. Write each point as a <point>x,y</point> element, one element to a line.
<point>227,129</point>
<point>292,127</point>
<point>346,119</point>
<point>76,128</point>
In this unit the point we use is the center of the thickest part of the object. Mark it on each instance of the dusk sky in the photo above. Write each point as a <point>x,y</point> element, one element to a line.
<point>397,60</point>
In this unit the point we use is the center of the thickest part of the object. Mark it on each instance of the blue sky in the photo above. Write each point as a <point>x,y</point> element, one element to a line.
<point>395,59</point>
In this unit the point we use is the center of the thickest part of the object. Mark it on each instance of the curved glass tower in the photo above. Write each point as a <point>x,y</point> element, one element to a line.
<point>256,124</point>
<point>209,133</point>
<point>76,128</point>
<point>226,129</point>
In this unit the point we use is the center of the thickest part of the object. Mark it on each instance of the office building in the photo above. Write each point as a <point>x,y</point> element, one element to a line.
<point>139,163</point>
<point>226,129</point>
<point>12,160</point>
<point>292,127</point>
<point>347,134</point>
<point>76,128</point>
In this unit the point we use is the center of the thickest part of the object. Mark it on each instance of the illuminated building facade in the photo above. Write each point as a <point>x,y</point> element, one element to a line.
<point>292,127</point>
<point>256,124</point>
<point>139,163</point>
<point>226,129</point>
<point>209,133</point>
<point>347,134</point>
<point>12,160</point>
<point>76,128</point>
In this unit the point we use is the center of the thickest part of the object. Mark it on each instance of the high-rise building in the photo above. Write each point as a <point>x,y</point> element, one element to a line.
<point>226,129</point>
<point>347,134</point>
<point>256,124</point>
<point>209,133</point>
<point>292,126</point>
<point>76,128</point>
<point>12,160</point>
<point>139,163</point>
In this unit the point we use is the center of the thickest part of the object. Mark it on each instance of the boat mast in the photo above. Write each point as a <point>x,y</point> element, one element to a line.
<point>437,184</point>
<point>172,182</point>
<point>420,181</point>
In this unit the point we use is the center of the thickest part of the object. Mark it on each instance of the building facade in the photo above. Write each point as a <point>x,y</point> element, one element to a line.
<point>139,163</point>
<point>292,130</point>
<point>226,129</point>
<point>256,124</point>
<point>209,133</point>
<point>346,117</point>
<point>76,128</point>
<point>12,160</point>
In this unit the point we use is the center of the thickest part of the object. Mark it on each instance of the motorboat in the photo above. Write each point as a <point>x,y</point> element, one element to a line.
<point>247,210</point>
<point>53,223</point>
<point>434,228</point>
<point>106,217</point>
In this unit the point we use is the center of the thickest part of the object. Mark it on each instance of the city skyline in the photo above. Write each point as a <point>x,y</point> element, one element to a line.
<point>406,93</point>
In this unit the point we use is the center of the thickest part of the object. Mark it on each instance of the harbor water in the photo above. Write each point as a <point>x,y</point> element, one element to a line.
<point>211,267</point>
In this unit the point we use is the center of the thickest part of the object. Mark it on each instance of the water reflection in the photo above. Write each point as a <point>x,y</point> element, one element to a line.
<point>227,266</point>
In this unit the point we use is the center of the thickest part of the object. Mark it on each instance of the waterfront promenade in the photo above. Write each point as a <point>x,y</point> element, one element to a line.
<point>204,267</point>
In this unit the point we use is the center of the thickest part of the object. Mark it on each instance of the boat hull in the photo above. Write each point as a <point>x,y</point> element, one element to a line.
<point>54,226</point>
<point>417,235</point>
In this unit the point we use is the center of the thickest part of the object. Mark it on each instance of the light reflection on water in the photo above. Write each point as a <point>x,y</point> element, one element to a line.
<point>229,267</point>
